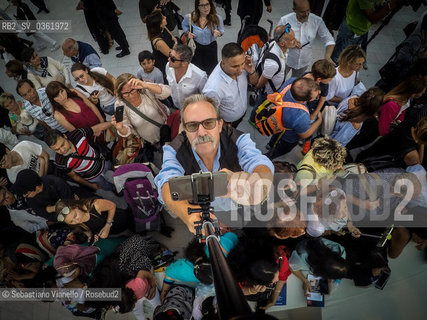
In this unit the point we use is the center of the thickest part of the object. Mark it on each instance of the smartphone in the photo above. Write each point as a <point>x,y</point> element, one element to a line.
<point>382,279</point>
<point>181,187</point>
<point>118,113</point>
<point>94,93</point>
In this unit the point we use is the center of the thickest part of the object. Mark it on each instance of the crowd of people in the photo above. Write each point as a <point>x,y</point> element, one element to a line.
<point>62,222</point>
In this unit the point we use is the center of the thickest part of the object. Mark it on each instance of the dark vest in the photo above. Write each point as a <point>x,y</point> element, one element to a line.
<point>85,49</point>
<point>228,158</point>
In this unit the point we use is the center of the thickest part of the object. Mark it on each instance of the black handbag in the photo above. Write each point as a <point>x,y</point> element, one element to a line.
<point>382,162</point>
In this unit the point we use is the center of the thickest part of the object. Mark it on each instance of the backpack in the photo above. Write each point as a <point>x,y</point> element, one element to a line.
<point>268,118</point>
<point>137,182</point>
<point>264,55</point>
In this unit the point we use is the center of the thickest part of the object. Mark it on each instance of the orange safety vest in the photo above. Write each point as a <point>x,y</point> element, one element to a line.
<point>268,117</point>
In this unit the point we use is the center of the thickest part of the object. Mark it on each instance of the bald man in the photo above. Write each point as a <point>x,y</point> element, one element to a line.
<point>81,52</point>
<point>306,26</point>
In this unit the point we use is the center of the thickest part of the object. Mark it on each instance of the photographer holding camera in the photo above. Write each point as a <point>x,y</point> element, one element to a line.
<point>207,145</point>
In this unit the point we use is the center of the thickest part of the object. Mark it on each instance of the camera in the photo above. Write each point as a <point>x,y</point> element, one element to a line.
<point>165,11</point>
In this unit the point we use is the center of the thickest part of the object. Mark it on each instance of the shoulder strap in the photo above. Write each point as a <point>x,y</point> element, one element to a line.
<point>143,116</point>
<point>308,168</point>
<point>189,19</point>
<point>79,86</point>
<point>155,42</point>
<point>84,157</point>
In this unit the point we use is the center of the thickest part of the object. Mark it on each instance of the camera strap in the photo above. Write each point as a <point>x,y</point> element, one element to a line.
<point>143,116</point>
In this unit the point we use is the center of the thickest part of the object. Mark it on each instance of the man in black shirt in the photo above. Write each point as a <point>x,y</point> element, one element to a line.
<point>42,193</point>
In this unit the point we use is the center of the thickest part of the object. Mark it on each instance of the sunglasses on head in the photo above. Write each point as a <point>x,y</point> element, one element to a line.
<point>193,126</point>
<point>173,59</point>
<point>287,30</point>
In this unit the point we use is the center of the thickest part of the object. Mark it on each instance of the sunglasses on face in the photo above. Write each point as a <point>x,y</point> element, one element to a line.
<point>193,126</point>
<point>173,59</point>
<point>205,5</point>
<point>64,212</point>
<point>287,30</point>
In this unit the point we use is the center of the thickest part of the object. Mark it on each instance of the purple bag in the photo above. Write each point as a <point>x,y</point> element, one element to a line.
<point>137,182</point>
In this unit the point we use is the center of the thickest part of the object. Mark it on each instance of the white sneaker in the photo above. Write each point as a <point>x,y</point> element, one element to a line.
<point>55,47</point>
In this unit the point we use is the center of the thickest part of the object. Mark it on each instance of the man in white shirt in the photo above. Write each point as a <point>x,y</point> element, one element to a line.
<point>306,27</point>
<point>273,75</point>
<point>25,155</point>
<point>184,78</point>
<point>228,83</point>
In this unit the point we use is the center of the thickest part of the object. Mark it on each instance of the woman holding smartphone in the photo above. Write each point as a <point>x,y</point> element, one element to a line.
<point>97,85</point>
<point>143,113</point>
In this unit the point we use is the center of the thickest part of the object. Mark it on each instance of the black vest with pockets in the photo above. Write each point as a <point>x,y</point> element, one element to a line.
<point>228,158</point>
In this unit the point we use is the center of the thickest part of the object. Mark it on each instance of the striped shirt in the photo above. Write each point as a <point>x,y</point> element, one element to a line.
<point>86,168</point>
<point>44,112</point>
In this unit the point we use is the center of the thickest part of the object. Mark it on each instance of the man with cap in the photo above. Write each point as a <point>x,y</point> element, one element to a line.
<point>42,193</point>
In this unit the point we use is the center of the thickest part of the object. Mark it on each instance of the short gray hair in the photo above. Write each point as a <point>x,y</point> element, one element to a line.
<point>196,98</point>
<point>184,51</point>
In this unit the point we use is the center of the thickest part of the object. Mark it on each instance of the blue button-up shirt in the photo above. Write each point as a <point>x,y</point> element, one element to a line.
<point>232,95</point>
<point>249,158</point>
<point>203,36</point>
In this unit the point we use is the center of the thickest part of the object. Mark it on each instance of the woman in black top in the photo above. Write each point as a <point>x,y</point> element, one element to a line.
<point>99,215</point>
<point>161,39</point>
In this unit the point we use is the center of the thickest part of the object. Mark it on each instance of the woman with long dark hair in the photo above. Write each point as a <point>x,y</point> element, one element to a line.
<point>353,111</point>
<point>161,39</point>
<point>396,101</point>
<point>71,109</point>
<point>206,27</point>
<point>97,85</point>
<point>100,216</point>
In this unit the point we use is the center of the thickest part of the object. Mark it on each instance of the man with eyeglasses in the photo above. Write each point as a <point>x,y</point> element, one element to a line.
<point>307,26</point>
<point>184,78</point>
<point>37,104</point>
<point>82,52</point>
<point>208,145</point>
<point>228,83</point>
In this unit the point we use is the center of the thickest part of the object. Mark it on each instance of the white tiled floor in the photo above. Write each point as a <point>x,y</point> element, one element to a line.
<point>379,52</point>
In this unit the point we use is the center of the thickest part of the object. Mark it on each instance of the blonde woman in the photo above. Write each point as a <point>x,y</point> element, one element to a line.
<point>349,64</point>
<point>143,113</point>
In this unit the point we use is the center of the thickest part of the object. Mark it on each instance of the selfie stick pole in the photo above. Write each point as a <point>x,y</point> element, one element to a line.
<point>231,301</point>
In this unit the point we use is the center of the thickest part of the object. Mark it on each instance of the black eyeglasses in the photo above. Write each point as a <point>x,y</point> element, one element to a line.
<point>79,77</point>
<point>173,59</point>
<point>287,30</point>
<point>193,126</point>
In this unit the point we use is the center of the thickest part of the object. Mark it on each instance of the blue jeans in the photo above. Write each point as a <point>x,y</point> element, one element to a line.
<point>108,109</point>
<point>345,38</point>
<point>101,181</point>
